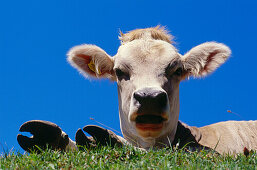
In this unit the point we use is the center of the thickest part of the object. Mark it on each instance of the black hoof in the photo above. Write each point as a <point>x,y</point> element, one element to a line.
<point>82,140</point>
<point>26,143</point>
<point>103,137</point>
<point>44,134</point>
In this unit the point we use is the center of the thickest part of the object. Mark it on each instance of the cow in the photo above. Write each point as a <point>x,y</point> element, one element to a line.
<point>148,70</point>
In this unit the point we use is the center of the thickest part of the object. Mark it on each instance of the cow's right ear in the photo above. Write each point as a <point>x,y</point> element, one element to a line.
<point>91,61</point>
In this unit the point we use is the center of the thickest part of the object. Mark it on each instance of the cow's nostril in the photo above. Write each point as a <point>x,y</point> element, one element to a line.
<point>139,96</point>
<point>161,97</point>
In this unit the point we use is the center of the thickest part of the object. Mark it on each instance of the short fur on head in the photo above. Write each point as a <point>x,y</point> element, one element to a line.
<point>156,33</point>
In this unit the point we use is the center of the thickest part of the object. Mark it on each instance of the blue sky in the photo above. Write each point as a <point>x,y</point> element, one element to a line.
<point>36,82</point>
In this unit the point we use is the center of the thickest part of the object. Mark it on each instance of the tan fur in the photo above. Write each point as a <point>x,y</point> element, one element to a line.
<point>230,137</point>
<point>156,33</point>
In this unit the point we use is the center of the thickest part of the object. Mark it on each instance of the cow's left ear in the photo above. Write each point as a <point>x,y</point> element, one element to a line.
<point>205,58</point>
<point>91,61</point>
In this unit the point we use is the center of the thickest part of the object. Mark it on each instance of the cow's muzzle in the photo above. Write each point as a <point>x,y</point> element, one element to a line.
<point>151,108</point>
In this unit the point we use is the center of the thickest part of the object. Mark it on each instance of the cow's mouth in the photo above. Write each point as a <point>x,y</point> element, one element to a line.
<point>149,119</point>
<point>149,122</point>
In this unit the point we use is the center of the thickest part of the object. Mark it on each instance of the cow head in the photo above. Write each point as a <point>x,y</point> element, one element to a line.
<point>148,70</point>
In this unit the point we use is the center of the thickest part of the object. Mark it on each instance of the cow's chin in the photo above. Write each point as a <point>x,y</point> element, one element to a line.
<point>147,130</point>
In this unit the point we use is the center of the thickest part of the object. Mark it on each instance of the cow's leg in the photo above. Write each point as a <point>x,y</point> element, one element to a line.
<point>45,134</point>
<point>100,137</point>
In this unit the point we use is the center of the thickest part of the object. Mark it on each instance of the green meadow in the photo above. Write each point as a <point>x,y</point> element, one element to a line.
<point>126,158</point>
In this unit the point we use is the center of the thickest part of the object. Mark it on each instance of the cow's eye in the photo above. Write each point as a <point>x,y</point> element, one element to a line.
<point>171,72</point>
<point>178,72</point>
<point>121,75</point>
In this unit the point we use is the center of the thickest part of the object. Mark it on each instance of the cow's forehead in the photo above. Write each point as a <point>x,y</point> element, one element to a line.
<point>150,52</point>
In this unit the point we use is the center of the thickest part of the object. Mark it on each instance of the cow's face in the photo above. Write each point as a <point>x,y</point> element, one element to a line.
<point>148,73</point>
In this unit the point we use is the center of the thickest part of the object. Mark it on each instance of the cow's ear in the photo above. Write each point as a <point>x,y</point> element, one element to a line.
<point>91,61</point>
<point>205,58</point>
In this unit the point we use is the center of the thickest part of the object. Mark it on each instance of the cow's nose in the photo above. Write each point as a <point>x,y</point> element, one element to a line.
<point>151,98</point>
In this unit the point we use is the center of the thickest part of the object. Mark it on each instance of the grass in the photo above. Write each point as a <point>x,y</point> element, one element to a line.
<point>126,158</point>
